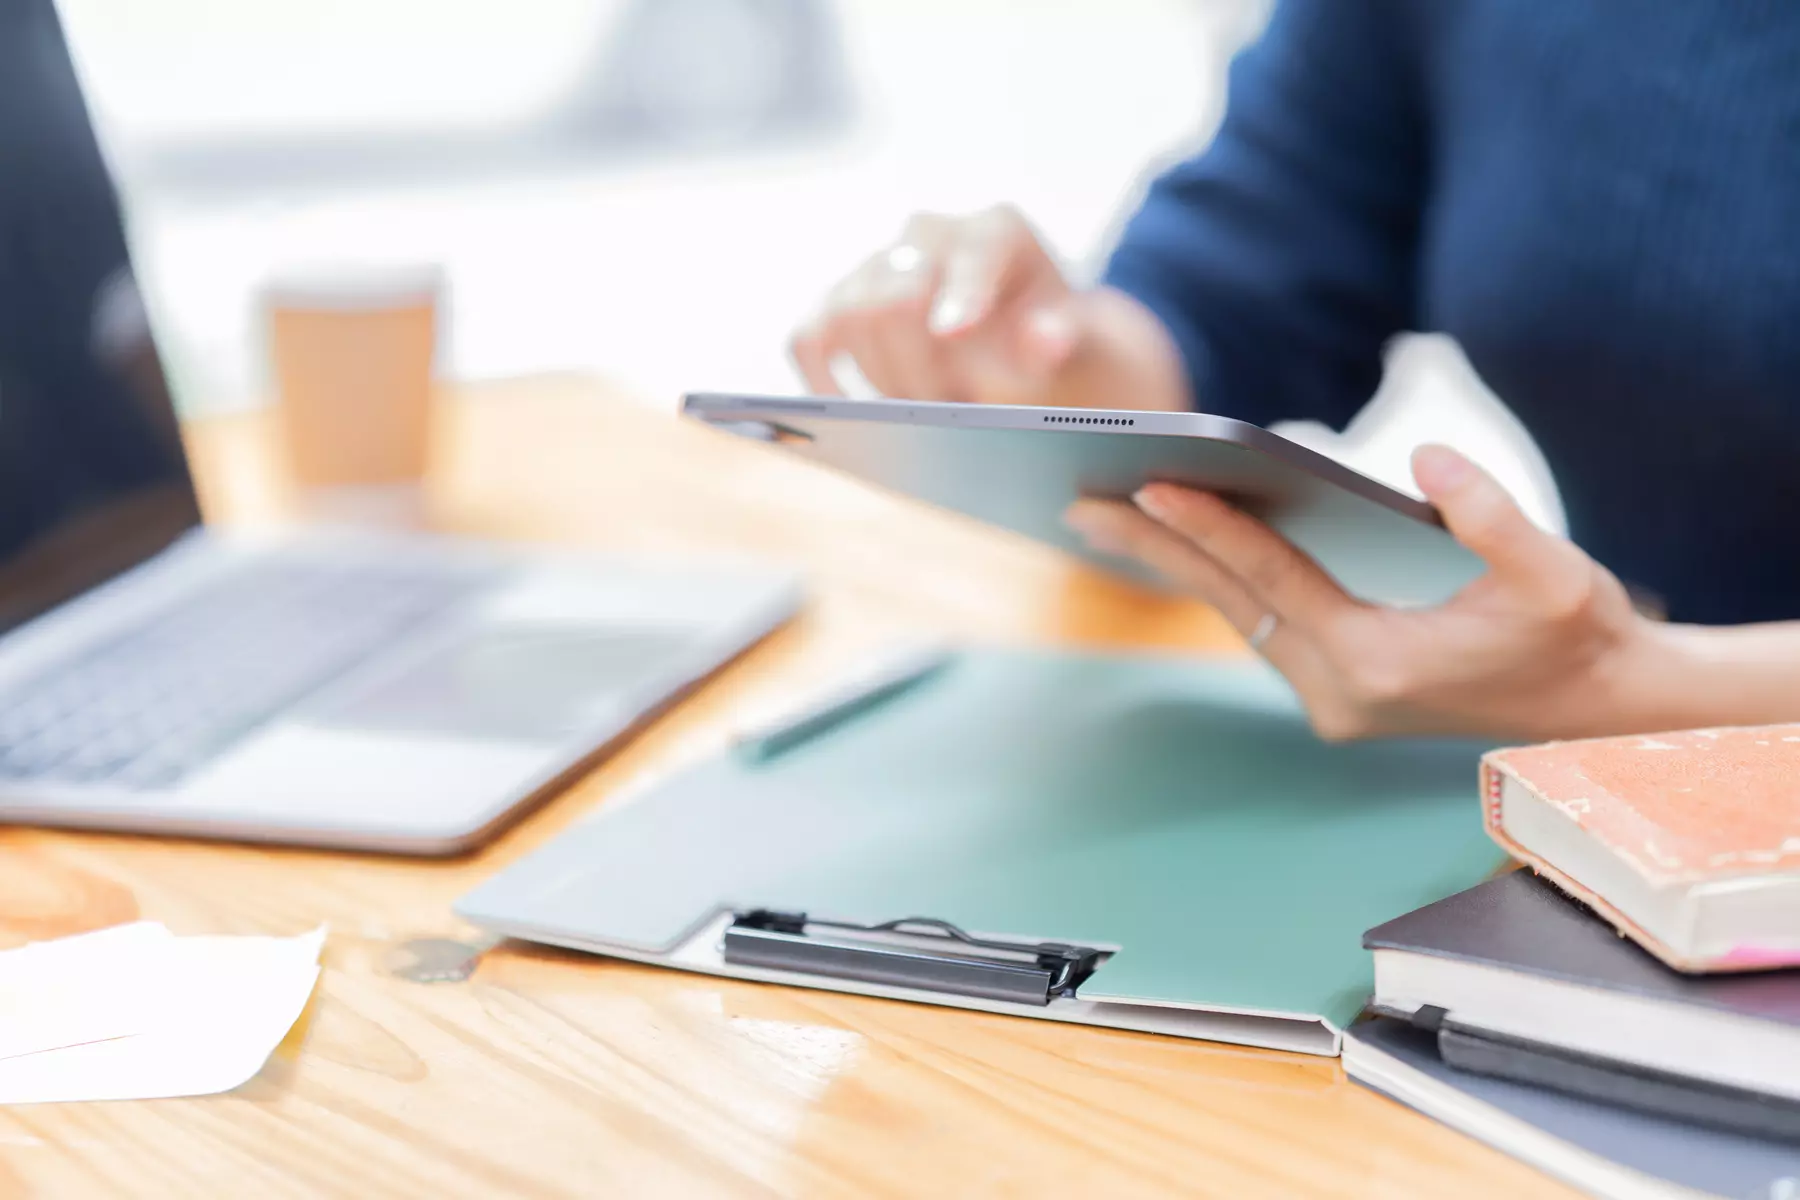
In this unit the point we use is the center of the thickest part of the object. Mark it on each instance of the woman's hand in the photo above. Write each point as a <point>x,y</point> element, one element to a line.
<point>976,309</point>
<point>1546,644</point>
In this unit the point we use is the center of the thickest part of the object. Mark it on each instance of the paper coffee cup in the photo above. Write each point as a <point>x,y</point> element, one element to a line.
<point>353,349</point>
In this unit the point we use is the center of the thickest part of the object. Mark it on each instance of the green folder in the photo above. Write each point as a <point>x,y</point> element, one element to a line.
<point>1178,813</point>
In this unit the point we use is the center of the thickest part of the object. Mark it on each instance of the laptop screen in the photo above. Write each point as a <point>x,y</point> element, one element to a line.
<point>92,475</point>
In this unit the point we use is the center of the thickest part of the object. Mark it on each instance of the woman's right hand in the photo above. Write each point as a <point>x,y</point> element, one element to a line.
<point>975,309</point>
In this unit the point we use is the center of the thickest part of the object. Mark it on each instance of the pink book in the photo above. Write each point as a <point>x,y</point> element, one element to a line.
<point>1688,842</point>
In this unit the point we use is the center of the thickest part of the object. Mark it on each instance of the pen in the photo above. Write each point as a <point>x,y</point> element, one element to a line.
<point>865,692</point>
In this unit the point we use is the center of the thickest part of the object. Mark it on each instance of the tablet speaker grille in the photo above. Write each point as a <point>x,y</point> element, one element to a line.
<point>1058,420</point>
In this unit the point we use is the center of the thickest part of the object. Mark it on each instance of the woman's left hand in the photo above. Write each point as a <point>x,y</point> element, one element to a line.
<point>1546,644</point>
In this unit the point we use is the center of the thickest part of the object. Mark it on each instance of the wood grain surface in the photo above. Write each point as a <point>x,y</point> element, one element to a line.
<point>552,1074</point>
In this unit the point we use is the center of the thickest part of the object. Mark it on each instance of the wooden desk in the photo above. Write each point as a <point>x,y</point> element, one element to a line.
<point>548,1073</point>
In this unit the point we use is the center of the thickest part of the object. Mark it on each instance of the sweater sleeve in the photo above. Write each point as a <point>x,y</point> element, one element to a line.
<point>1282,259</point>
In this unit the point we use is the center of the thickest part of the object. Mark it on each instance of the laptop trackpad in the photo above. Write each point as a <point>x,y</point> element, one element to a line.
<point>526,682</point>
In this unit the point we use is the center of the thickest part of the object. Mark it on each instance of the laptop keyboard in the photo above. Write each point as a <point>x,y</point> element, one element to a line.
<point>146,708</point>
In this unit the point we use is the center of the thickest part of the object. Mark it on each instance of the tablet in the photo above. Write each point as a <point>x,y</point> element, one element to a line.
<point>1020,468</point>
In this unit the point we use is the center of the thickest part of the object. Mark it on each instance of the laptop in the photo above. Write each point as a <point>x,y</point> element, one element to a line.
<point>393,693</point>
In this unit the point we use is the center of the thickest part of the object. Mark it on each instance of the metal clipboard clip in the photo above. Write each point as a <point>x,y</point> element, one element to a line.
<point>913,952</point>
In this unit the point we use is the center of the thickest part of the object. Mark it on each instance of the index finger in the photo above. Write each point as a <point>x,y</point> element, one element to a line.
<point>978,268</point>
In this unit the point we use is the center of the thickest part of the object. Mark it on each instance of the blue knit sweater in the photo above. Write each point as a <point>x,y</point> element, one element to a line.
<point>1599,199</point>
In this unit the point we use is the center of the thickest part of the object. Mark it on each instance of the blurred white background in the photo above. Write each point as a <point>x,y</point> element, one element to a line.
<point>658,190</point>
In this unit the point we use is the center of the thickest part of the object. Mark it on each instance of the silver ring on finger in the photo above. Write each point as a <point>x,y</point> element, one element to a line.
<point>1259,636</point>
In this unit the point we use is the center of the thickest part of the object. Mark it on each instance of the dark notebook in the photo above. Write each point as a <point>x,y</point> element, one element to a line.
<point>1658,1092</point>
<point>1519,923</point>
<point>1610,1151</point>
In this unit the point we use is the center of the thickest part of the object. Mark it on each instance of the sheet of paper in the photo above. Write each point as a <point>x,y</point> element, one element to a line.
<point>208,1012</point>
<point>67,992</point>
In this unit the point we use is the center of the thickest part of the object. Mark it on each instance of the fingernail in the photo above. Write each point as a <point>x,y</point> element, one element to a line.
<point>905,279</point>
<point>1147,500</point>
<point>950,311</point>
<point>1080,518</point>
<point>1091,528</point>
<point>1441,467</point>
<point>905,259</point>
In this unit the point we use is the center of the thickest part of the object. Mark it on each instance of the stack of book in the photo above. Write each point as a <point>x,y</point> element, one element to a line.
<point>1626,1014</point>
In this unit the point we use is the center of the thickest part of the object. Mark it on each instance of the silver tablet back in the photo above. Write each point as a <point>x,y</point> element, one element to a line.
<point>1020,468</point>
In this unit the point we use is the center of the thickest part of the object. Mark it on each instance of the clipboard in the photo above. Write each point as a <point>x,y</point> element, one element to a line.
<point>1139,843</point>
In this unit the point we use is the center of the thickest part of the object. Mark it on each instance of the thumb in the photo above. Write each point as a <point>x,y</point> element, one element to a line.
<point>1483,516</point>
